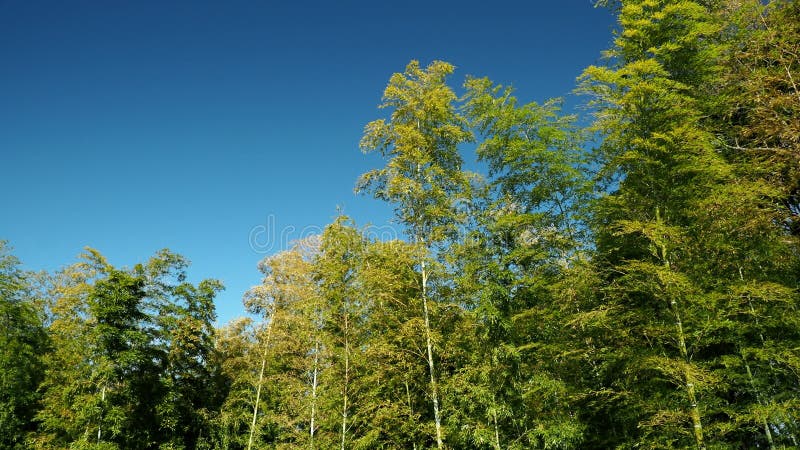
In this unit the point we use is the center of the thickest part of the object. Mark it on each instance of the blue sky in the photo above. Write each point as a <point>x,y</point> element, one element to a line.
<point>134,126</point>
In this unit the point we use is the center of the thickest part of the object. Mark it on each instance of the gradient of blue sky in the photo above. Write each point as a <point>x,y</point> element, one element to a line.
<point>133,126</point>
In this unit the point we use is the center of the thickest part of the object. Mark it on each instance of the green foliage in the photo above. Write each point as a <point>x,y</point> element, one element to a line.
<point>128,363</point>
<point>22,342</point>
<point>423,176</point>
<point>759,108</point>
<point>424,181</point>
<point>639,294</point>
<point>529,228</point>
<point>674,235</point>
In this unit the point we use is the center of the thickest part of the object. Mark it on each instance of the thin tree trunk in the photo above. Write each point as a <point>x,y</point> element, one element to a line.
<point>100,421</point>
<point>496,430</point>
<point>759,397</point>
<point>688,378</point>
<point>314,393</point>
<point>431,368</point>
<point>764,423</point>
<point>261,378</point>
<point>434,387</point>
<point>346,378</point>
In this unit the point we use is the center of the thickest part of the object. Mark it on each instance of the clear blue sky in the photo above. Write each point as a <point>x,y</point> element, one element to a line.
<point>134,126</point>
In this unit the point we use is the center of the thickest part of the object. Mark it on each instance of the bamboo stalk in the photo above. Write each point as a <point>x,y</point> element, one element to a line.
<point>100,422</point>
<point>688,378</point>
<point>314,394</point>
<point>496,431</point>
<point>764,423</point>
<point>261,378</point>
<point>346,378</point>
<point>431,367</point>
<point>434,387</point>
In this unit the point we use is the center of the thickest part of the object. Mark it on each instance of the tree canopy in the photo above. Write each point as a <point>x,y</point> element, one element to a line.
<point>623,277</point>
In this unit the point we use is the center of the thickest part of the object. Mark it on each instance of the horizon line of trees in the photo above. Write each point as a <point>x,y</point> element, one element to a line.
<point>633,284</point>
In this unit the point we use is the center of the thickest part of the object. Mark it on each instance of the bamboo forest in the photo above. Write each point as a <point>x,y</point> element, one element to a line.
<point>624,277</point>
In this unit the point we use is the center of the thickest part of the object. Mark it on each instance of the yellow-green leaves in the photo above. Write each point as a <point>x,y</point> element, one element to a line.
<point>420,142</point>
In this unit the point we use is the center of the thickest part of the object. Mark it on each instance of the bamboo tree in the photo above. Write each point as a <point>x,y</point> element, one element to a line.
<point>337,269</point>
<point>658,159</point>
<point>287,300</point>
<point>316,313</point>
<point>265,301</point>
<point>423,175</point>
<point>312,428</point>
<point>236,348</point>
<point>260,383</point>
<point>391,382</point>
<point>528,230</point>
<point>688,376</point>
<point>682,199</point>
<point>750,228</point>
